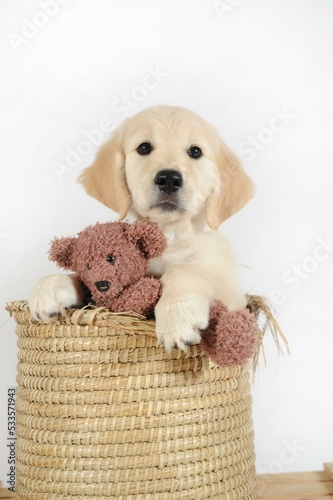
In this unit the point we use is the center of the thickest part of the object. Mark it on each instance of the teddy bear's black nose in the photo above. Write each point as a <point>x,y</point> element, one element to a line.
<point>102,286</point>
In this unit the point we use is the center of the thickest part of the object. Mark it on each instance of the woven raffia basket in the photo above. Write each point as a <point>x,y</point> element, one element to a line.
<point>102,412</point>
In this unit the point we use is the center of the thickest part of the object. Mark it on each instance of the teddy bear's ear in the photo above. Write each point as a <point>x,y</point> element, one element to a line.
<point>148,237</point>
<point>61,252</point>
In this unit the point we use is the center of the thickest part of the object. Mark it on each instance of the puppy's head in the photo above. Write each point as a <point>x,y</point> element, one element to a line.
<point>168,164</point>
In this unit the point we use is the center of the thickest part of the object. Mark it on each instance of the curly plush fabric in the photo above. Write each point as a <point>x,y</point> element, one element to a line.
<point>111,259</point>
<point>231,337</point>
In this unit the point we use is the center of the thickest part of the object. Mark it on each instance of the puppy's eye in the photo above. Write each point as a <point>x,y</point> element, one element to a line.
<point>88,265</point>
<point>111,258</point>
<point>194,152</point>
<point>144,149</point>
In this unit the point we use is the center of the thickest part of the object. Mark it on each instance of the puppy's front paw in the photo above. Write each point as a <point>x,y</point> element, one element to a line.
<point>178,324</point>
<point>54,294</point>
<point>178,339</point>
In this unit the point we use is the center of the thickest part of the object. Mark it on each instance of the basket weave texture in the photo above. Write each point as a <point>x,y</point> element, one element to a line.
<point>102,412</point>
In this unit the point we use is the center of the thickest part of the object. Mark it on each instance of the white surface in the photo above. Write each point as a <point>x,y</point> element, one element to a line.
<point>260,71</point>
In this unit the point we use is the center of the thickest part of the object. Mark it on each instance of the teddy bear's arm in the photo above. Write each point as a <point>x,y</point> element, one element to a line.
<point>141,297</point>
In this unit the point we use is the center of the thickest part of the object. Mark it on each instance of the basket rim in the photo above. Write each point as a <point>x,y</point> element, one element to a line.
<point>89,315</point>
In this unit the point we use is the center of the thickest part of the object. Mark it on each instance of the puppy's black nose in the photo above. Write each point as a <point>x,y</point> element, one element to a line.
<point>102,286</point>
<point>168,181</point>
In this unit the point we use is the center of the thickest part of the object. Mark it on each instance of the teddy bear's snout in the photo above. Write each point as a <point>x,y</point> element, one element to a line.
<point>102,286</point>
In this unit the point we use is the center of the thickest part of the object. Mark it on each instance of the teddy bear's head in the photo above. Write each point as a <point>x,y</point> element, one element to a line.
<point>110,256</point>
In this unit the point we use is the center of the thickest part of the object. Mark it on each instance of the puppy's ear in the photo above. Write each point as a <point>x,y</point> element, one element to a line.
<point>105,178</point>
<point>61,252</point>
<point>148,238</point>
<point>235,190</point>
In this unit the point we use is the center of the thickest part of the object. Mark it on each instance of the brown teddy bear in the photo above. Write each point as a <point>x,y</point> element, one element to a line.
<point>112,258</point>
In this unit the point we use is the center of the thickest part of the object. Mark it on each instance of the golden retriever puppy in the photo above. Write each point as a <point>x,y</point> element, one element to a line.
<point>170,166</point>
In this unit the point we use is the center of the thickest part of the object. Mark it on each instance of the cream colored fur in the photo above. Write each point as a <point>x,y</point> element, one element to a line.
<point>197,267</point>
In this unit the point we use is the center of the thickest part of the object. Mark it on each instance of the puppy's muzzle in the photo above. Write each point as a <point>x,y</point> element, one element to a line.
<point>168,181</point>
<point>102,286</point>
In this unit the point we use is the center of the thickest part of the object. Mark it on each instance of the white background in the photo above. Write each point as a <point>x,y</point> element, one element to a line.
<point>242,65</point>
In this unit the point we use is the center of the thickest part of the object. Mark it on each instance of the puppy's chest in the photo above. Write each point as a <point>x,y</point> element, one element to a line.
<point>173,255</point>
